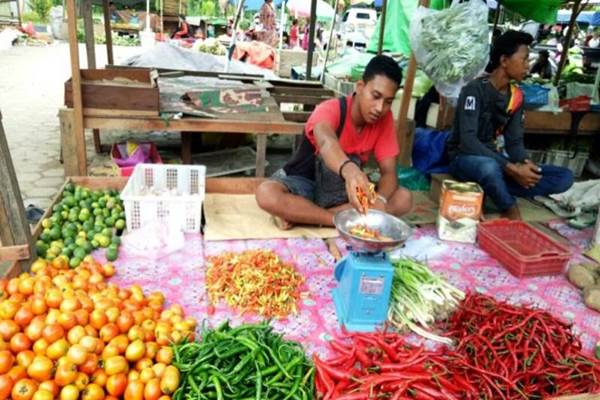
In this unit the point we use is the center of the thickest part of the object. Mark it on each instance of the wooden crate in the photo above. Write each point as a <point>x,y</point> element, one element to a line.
<point>113,92</point>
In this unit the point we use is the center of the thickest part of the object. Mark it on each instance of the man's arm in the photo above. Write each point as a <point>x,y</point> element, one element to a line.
<point>388,183</point>
<point>513,138</point>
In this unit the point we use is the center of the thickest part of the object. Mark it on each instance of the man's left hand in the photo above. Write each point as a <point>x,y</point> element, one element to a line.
<point>378,204</point>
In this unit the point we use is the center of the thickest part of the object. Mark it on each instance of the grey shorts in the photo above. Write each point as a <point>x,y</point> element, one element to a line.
<point>297,185</point>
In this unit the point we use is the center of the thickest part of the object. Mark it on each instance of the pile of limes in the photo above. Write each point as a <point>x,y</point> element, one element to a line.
<point>83,220</point>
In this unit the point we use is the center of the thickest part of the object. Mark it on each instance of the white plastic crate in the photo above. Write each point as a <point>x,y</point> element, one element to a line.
<point>178,204</point>
<point>563,158</point>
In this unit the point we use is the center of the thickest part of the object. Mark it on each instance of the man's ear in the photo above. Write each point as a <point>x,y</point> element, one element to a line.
<point>360,86</point>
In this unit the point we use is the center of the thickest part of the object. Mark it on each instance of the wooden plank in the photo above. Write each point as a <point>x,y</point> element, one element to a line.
<point>68,147</point>
<point>115,97</point>
<point>296,116</point>
<point>137,74</point>
<point>559,123</point>
<point>299,99</point>
<point>14,253</point>
<point>293,91</point>
<point>77,130</point>
<point>405,156</point>
<point>196,125</point>
<point>108,31</point>
<point>186,147</point>
<point>88,27</point>
<point>98,112</point>
<point>261,155</point>
<point>12,212</point>
<point>97,143</point>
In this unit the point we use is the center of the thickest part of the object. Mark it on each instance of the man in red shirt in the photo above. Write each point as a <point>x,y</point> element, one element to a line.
<point>324,175</point>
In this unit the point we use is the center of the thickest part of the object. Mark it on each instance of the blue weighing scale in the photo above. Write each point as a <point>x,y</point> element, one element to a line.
<point>365,275</point>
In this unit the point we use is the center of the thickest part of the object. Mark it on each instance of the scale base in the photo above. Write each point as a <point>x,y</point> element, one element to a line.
<point>351,326</point>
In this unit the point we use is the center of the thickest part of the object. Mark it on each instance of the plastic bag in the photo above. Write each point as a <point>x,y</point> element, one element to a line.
<point>451,45</point>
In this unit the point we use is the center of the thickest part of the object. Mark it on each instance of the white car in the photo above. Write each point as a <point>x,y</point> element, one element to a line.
<point>358,25</point>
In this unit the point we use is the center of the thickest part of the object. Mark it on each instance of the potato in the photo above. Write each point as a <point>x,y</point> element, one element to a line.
<point>591,297</point>
<point>581,277</point>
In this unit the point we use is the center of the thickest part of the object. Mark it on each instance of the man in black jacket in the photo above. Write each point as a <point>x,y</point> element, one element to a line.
<point>486,143</point>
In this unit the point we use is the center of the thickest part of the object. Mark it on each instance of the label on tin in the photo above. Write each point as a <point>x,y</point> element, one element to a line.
<point>371,285</point>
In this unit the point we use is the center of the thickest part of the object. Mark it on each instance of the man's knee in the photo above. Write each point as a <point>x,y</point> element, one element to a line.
<point>489,169</point>
<point>268,194</point>
<point>564,180</point>
<point>400,203</point>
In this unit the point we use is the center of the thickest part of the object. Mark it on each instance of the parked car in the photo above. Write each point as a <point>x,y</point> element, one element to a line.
<point>358,25</point>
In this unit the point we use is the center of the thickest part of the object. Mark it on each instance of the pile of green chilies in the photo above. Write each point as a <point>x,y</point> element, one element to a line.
<point>246,362</point>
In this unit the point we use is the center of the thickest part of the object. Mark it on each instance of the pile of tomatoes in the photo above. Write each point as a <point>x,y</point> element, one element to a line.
<point>68,334</point>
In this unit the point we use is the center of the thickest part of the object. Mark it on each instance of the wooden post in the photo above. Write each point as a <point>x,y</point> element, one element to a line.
<point>566,46</point>
<point>19,13</point>
<point>382,28</point>
<point>108,32</point>
<point>68,144</point>
<point>261,155</point>
<point>88,26</point>
<point>311,39</point>
<point>14,228</point>
<point>78,132</point>
<point>402,125</point>
<point>337,2</point>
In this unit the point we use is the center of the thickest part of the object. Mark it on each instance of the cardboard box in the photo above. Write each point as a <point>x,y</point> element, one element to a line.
<point>460,210</point>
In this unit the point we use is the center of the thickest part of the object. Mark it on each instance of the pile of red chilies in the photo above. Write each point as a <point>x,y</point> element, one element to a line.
<point>514,352</point>
<point>383,366</point>
<point>502,352</point>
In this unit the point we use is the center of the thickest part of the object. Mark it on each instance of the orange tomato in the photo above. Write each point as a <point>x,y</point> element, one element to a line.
<point>67,320</point>
<point>26,285</point>
<point>115,365</point>
<point>40,347</point>
<point>82,381</point>
<point>24,316</point>
<point>116,384</point>
<point>40,369</point>
<point>90,365</point>
<point>159,369</point>
<point>125,321</point>
<point>53,332</point>
<point>6,385</point>
<point>25,358</point>
<point>57,349</point>
<point>6,361</point>
<point>42,394</point>
<point>108,270</point>
<point>82,316</point>
<point>165,397</point>
<point>109,332</point>
<point>121,342</point>
<point>134,390</point>
<point>170,380</point>
<point>143,363</point>
<point>23,389</point>
<point>20,342</point>
<point>70,305</point>
<point>152,390</point>
<point>147,374</point>
<point>53,298</point>
<point>92,392</point>
<point>91,331</point>
<point>98,319</point>
<point>133,375</point>
<point>69,392</point>
<point>8,328</point>
<point>164,355</point>
<point>66,373</point>
<point>89,343</point>
<point>135,351</point>
<point>50,386</point>
<point>75,334</point>
<point>13,286</point>
<point>136,333</point>
<point>100,377</point>
<point>112,313</point>
<point>110,351</point>
<point>17,373</point>
<point>4,345</point>
<point>77,354</point>
<point>152,349</point>
<point>109,397</point>
<point>35,328</point>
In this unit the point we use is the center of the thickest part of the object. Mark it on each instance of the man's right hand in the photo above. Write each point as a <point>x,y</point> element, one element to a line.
<point>355,179</point>
<point>526,174</point>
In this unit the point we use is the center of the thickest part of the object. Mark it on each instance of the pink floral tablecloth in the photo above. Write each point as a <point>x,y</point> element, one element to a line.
<point>180,276</point>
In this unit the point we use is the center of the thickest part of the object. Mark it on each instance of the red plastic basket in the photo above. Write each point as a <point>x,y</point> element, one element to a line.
<point>521,249</point>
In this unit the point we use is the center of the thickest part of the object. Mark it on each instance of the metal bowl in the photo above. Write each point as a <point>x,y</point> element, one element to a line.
<point>386,224</point>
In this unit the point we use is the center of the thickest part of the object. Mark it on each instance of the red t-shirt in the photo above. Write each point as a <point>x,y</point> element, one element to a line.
<point>378,138</point>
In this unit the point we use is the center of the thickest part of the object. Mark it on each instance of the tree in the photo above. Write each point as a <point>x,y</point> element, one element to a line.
<point>41,8</point>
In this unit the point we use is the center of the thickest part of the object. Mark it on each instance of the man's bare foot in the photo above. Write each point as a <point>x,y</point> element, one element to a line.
<point>512,213</point>
<point>283,224</point>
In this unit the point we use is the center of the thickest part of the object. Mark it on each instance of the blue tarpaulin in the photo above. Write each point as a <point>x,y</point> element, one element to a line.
<point>585,17</point>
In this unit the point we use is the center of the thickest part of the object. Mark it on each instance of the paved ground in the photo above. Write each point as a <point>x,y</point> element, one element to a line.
<point>32,90</point>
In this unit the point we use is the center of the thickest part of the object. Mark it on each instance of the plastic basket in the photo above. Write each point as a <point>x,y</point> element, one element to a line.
<point>569,159</point>
<point>521,249</point>
<point>176,197</point>
<point>536,156</point>
<point>534,95</point>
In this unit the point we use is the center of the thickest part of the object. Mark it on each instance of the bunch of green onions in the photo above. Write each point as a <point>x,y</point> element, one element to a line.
<point>419,298</point>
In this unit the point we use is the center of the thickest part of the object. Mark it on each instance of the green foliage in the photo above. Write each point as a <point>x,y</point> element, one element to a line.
<point>31,17</point>
<point>205,8</point>
<point>41,8</point>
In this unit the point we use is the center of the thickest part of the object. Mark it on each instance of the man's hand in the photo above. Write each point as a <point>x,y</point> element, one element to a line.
<point>526,174</point>
<point>378,204</point>
<point>356,179</point>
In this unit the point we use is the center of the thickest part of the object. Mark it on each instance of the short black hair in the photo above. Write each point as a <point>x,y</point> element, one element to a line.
<point>507,44</point>
<point>544,53</point>
<point>382,65</point>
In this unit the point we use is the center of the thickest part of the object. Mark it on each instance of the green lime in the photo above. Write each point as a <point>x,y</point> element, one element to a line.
<point>45,236</point>
<point>88,247</point>
<point>97,212</point>
<point>69,201</point>
<point>104,241</point>
<point>72,217</point>
<point>41,248</point>
<point>74,262</point>
<point>46,223</point>
<point>67,252</point>
<point>110,221</point>
<point>95,204</point>
<point>69,240</point>
<point>80,241</point>
<point>95,244</point>
<point>106,213</point>
<point>55,233</point>
<point>102,202</point>
<point>87,225</point>
<point>80,253</point>
<point>120,224</point>
<point>64,214</point>
<point>111,254</point>
<point>69,187</point>
<point>84,214</point>
<point>108,232</point>
<point>115,240</point>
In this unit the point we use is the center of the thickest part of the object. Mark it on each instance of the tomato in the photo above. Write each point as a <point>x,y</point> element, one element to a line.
<point>121,342</point>
<point>133,375</point>
<point>115,365</point>
<point>100,377</point>
<point>53,298</point>
<point>147,374</point>
<point>40,347</point>
<point>170,380</point>
<point>164,355</point>
<point>89,343</point>
<point>116,384</point>
<point>75,334</point>
<point>67,320</point>
<point>17,373</point>
<point>24,316</point>
<point>82,316</point>
<point>52,317</point>
<point>35,328</point>
<point>25,358</point>
<point>50,386</point>
<point>77,354</point>
<point>98,319</point>
<point>135,351</point>
<point>66,373</point>
<point>91,331</point>
<point>69,392</point>
<point>143,363</point>
<point>70,305</point>
<point>81,381</point>
<point>110,351</point>
<point>134,391</point>
<point>152,390</point>
<point>42,394</point>
<point>112,313</point>
<point>38,305</point>
<point>165,397</point>
<point>125,321</point>
<point>8,328</point>
<point>6,385</point>
<point>159,369</point>
<point>151,349</point>
<point>109,332</point>
<point>90,365</point>
<point>20,342</point>
<point>53,332</point>
<point>40,369</point>
<point>92,392</point>
<point>6,361</point>
<point>23,389</point>
<point>57,349</point>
